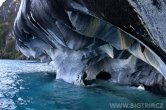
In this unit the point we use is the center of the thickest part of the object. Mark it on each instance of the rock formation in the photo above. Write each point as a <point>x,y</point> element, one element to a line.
<point>122,41</point>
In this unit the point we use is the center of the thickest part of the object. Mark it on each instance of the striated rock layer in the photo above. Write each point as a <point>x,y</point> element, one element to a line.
<point>122,41</point>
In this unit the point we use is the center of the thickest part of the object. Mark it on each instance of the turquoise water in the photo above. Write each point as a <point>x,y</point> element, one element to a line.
<point>26,85</point>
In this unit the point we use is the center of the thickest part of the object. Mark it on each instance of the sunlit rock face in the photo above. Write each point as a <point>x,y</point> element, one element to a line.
<point>97,39</point>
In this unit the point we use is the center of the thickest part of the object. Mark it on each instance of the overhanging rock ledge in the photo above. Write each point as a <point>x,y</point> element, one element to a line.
<point>122,41</point>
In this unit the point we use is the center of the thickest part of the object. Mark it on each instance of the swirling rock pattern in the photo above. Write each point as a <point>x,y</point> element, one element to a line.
<point>119,40</point>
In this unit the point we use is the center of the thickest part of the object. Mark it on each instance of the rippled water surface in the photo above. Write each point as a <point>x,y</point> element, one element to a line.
<point>26,85</point>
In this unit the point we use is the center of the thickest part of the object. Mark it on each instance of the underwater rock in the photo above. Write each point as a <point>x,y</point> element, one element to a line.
<point>117,40</point>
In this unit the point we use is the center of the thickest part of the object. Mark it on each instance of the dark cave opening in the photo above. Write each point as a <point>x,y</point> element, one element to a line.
<point>103,76</point>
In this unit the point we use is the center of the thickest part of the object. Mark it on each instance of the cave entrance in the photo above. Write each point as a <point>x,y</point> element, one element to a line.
<point>103,76</point>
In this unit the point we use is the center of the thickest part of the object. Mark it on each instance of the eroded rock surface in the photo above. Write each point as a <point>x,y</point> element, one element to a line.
<point>97,39</point>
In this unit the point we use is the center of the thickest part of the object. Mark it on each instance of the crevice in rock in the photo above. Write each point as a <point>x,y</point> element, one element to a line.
<point>103,75</point>
<point>156,3</point>
<point>85,81</point>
